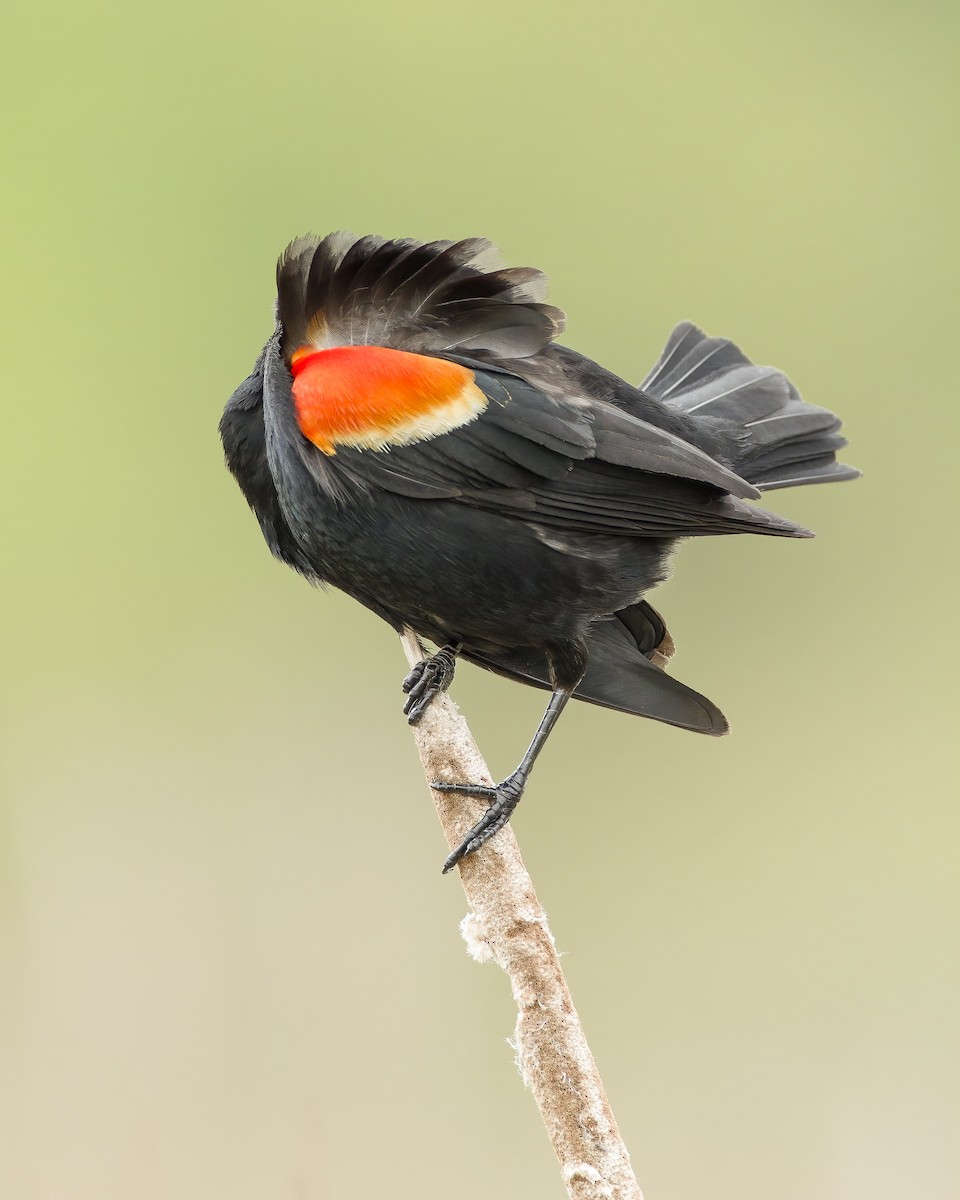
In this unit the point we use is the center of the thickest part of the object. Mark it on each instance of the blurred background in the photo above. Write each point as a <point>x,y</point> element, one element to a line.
<point>223,975</point>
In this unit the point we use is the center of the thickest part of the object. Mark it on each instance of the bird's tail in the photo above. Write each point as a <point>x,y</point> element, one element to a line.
<point>626,653</point>
<point>750,417</point>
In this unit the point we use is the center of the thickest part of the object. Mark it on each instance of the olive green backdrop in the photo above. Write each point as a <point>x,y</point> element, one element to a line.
<point>230,966</point>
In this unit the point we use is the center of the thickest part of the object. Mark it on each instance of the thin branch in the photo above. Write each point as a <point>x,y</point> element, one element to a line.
<point>506,923</point>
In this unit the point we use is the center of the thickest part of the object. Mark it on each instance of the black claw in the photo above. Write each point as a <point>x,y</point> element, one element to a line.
<point>504,798</point>
<point>468,789</point>
<point>427,680</point>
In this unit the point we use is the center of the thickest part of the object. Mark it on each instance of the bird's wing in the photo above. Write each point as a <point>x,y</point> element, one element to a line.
<point>407,360</point>
<point>424,297</point>
<point>576,464</point>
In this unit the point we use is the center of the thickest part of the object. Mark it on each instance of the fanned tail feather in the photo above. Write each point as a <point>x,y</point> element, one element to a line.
<point>752,417</point>
<point>621,674</point>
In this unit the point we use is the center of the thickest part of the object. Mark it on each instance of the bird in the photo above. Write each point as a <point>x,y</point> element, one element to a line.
<point>413,434</point>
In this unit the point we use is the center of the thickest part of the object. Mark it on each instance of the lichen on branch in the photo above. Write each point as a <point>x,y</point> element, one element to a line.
<point>507,923</point>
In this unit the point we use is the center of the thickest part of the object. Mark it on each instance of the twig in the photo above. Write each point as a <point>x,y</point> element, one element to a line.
<point>506,923</point>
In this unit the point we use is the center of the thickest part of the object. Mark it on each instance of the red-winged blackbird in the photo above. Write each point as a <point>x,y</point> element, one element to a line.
<point>412,434</point>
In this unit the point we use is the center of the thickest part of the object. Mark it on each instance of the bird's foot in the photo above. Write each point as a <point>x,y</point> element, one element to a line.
<point>503,798</point>
<point>428,679</point>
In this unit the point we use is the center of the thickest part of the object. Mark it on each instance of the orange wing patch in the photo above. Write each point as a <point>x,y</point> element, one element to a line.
<point>371,397</point>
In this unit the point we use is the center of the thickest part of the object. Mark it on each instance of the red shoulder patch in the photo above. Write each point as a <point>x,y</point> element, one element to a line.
<point>372,397</point>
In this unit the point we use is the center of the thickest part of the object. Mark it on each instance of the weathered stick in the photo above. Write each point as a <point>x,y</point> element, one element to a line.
<point>506,923</point>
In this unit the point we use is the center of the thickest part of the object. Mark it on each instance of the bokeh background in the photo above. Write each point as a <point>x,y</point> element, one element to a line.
<point>230,966</point>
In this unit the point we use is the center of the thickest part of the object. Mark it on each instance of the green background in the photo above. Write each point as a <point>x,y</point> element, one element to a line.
<point>230,966</point>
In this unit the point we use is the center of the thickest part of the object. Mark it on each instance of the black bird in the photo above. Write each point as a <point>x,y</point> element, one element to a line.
<point>413,435</point>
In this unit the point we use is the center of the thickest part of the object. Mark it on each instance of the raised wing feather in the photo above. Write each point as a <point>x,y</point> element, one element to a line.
<point>428,298</point>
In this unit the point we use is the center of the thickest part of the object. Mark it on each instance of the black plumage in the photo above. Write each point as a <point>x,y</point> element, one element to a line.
<point>526,537</point>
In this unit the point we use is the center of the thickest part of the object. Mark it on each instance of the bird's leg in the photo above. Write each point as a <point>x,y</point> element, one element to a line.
<point>428,679</point>
<point>505,797</point>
